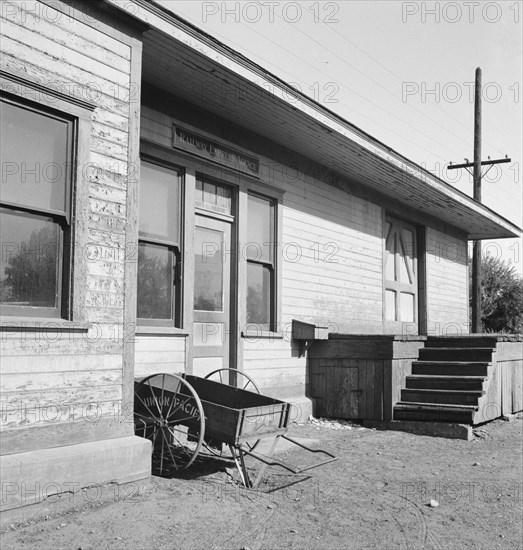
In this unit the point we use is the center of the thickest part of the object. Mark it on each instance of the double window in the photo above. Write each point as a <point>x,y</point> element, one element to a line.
<point>160,253</point>
<point>159,244</point>
<point>37,149</point>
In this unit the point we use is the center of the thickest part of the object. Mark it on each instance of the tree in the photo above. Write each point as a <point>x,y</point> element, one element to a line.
<point>32,273</point>
<point>501,297</point>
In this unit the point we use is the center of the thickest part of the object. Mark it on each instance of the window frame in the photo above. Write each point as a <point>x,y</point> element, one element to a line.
<point>271,264</point>
<point>157,157</point>
<point>76,114</point>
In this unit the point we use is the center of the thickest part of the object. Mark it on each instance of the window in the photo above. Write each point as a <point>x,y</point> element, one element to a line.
<point>36,150</point>
<point>261,263</point>
<point>159,244</point>
<point>213,196</point>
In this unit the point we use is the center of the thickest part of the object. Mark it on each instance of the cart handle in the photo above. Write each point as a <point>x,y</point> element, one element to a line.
<point>274,462</point>
<point>307,448</point>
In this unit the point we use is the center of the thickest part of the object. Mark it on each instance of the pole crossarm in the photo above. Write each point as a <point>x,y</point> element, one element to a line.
<point>477,176</point>
<point>483,163</point>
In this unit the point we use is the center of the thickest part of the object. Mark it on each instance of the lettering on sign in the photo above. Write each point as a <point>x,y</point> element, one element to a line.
<point>206,148</point>
<point>181,404</point>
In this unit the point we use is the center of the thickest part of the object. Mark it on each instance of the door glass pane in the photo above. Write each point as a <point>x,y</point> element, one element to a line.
<point>258,294</point>
<point>155,282</point>
<point>390,305</point>
<point>30,260</point>
<point>34,157</point>
<point>159,202</point>
<point>407,307</point>
<point>213,196</point>
<point>260,222</point>
<point>208,270</point>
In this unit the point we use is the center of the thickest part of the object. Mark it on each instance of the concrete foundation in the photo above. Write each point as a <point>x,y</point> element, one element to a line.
<point>433,429</point>
<point>87,472</point>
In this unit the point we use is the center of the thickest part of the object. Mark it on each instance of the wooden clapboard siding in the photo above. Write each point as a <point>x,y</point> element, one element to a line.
<point>330,242</point>
<point>48,21</point>
<point>159,354</point>
<point>273,381</point>
<point>12,383</point>
<point>38,48</point>
<point>337,237</point>
<point>447,283</point>
<point>111,120</point>
<point>21,343</point>
<point>14,365</point>
<point>155,127</point>
<point>275,365</point>
<point>76,57</point>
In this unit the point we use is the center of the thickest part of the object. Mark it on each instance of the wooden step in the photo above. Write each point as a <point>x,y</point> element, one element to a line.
<point>451,368</point>
<point>444,397</point>
<point>476,341</point>
<point>455,354</point>
<point>474,383</point>
<point>427,412</point>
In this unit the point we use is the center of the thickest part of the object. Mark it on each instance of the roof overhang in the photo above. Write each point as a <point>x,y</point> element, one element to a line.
<point>192,65</point>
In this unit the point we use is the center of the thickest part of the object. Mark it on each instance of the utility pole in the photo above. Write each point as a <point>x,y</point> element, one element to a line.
<point>477,175</point>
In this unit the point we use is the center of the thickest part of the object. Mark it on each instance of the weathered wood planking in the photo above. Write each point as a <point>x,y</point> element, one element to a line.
<point>321,276</point>
<point>511,374</point>
<point>329,270</point>
<point>159,354</point>
<point>58,345</point>
<point>69,379</point>
<point>447,280</point>
<point>275,377</point>
<point>48,365</point>
<point>68,30</point>
<point>49,46</point>
<point>66,367</point>
<point>490,404</point>
<point>395,374</point>
<point>517,385</point>
<point>504,385</point>
<point>167,356</point>
<point>88,394</point>
<point>77,425</point>
<point>360,377</point>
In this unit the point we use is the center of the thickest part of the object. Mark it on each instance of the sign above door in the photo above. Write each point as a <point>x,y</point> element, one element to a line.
<point>209,149</point>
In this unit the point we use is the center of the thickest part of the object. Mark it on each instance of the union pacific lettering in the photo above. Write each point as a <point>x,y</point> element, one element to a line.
<point>181,404</point>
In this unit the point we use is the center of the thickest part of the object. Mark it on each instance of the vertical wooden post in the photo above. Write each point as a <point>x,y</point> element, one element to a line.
<point>476,252</point>
<point>476,166</point>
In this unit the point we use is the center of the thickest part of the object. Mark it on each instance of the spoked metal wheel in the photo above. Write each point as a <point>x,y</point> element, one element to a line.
<point>243,382</point>
<point>169,412</point>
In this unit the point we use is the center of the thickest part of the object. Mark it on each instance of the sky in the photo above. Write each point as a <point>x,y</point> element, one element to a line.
<point>401,71</point>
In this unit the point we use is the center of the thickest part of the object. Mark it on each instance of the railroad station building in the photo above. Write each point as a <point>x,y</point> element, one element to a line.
<point>170,206</point>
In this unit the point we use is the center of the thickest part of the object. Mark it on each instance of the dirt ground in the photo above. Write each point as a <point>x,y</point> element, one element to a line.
<point>377,495</point>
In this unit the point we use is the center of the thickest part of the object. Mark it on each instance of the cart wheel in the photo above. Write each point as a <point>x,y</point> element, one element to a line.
<point>223,376</point>
<point>169,412</point>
